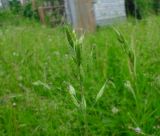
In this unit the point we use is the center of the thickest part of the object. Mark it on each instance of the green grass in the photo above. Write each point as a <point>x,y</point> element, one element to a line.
<point>35,67</point>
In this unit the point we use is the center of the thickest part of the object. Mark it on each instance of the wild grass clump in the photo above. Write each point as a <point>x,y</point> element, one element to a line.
<point>76,45</point>
<point>106,83</point>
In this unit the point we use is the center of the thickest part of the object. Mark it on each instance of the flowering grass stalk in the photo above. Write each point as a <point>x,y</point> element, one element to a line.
<point>76,45</point>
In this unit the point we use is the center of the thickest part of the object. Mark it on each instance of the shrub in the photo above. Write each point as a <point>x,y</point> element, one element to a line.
<point>29,12</point>
<point>141,8</point>
<point>132,9</point>
<point>15,6</point>
<point>156,6</point>
<point>144,6</point>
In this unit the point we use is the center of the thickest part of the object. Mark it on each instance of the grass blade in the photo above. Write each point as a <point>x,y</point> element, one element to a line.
<point>70,37</point>
<point>40,83</point>
<point>129,87</point>
<point>101,92</point>
<point>84,104</point>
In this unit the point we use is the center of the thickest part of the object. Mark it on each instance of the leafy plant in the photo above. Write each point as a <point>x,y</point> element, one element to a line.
<point>156,6</point>
<point>29,12</point>
<point>145,6</point>
<point>15,6</point>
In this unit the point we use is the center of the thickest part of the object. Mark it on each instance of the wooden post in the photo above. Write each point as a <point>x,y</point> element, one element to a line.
<point>85,15</point>
<point>33,5</point>
<point>41,15</point>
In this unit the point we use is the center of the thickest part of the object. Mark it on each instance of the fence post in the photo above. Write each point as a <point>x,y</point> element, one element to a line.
<point>85,15</point>
<point>41,14</point>
<point>33,4</point>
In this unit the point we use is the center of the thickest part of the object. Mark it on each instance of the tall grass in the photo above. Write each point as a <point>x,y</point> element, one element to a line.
<point>76,45</point>
<point>38,64</point>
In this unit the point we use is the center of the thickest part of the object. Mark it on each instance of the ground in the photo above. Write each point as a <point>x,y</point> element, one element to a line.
<point>36,66</point>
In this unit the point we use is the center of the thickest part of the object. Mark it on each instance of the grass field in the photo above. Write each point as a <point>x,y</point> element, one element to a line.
<point>36,66</point>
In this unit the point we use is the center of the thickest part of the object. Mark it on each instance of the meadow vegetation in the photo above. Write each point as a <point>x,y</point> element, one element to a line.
<point>40,72</point>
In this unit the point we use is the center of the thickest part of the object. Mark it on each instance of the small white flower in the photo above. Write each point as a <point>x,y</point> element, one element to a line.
<point>15,54</point>
<point>115,110</point>
<point>138,130</point>
<point>156,127</point>
<point>14,104</point>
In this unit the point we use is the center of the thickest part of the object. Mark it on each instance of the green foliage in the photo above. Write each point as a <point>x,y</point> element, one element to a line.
<point>25,10</point>
<point>36,66</point>
<point>29,12</point>
<point>52,1</point>
<point>142,8</point>
<point>156,6</point>
<point>15,6</point>
<point>145,6</point>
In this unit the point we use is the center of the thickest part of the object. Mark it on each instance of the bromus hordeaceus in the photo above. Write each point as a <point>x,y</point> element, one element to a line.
<point>76,45</point>
<point>130,85</point>
<point>131,57</point>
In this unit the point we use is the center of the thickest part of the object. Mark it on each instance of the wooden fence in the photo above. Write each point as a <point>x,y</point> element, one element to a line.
<point>59,12</point>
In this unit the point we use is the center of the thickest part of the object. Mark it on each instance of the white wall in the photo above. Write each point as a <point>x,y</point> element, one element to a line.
<point>0,3</point>
<point>108,10</point>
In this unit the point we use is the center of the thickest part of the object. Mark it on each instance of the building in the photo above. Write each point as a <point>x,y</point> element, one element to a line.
<point>87,14</point>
